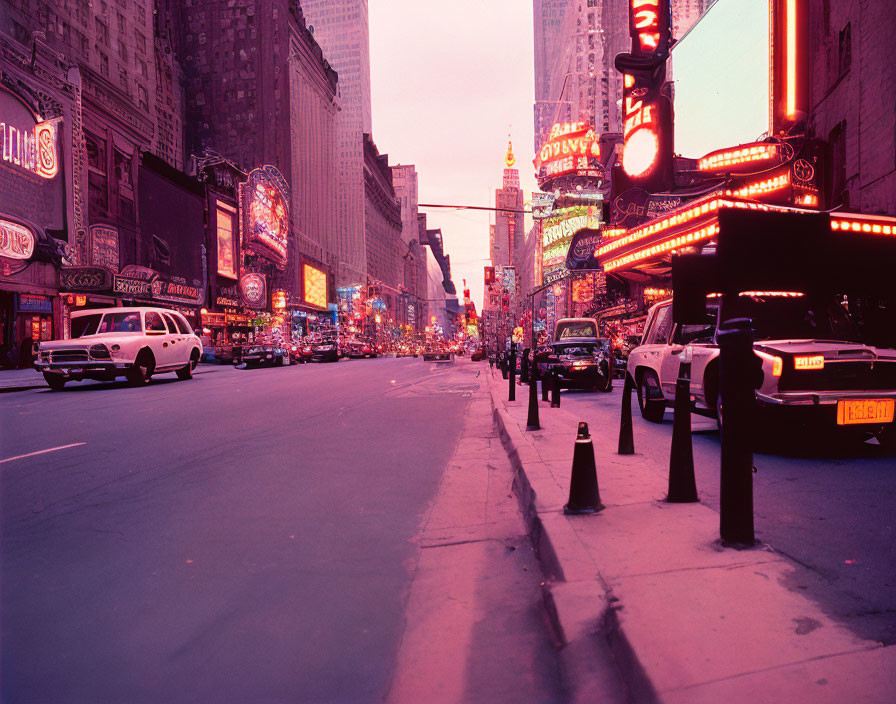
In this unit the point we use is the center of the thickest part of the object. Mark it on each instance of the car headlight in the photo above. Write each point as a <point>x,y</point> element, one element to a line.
<point>117,352</point>
<point>99,352</point>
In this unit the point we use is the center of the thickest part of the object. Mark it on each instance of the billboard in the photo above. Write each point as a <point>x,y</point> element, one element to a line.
<point>265,211</point>
<point>724,101</point>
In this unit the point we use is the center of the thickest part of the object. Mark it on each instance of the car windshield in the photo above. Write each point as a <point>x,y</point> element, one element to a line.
<point>794,317</point>
<point>121,322</point>
<point>85,325</point>
<point>567,330</point>
<point>575,350</point>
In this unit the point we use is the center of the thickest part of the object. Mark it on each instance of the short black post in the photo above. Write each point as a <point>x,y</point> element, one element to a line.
<point>532,419</point>
<point>555,389</point>
<point>584,496</point>
<point>502,362</point>
<point>545,385</point>
<point>737,385</point>
<point>682,484</point>
<point>511,372</point>
<point>524,367</point>
<point>626,436</point>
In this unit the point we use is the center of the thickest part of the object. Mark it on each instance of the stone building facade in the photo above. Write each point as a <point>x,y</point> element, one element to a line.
<point>341,28</point>
<point>261,93</point>
<point>382,216</point>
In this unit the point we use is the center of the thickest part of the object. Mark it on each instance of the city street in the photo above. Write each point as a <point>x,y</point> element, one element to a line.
<point>826,507</point>
<point>253,536</point>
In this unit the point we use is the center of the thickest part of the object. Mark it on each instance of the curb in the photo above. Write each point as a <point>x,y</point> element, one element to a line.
<point>596,660</point>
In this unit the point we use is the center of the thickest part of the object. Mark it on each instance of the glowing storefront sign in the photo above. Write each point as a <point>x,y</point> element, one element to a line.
<point>567,228</point>
<point>265,209</point>
<point>278,299</point>
<point>226,259</point>
<point>16,241</point>
<point>315,286</point>
<point>32,148</point>
<point>646,24</point>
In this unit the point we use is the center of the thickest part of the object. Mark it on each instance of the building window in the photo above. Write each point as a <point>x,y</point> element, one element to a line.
<point>839,195</point>
<point>142,97</point>
<point>845,52</point>
<point>97,180</point>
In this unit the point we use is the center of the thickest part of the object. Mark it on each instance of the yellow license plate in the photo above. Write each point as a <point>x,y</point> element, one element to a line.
<point>870,410</point>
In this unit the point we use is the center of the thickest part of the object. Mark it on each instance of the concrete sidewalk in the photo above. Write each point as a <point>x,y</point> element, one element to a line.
<point>686,619</point>
<point>25,379</point>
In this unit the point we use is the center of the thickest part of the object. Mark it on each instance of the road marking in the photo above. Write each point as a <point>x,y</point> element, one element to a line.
<point>42,452</point>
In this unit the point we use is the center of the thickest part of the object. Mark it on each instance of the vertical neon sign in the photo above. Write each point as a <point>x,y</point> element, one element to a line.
<point>647,113</point>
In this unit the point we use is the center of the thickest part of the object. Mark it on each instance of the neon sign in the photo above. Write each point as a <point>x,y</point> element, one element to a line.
<point>646,24</point>
<point>16,241</point>
<point>31,149</point>
<point>750,155</point>
<point>315,286</point>
<point>572,147</point>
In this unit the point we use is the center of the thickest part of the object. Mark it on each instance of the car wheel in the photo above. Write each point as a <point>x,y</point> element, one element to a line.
<point>652,410</point>
<point>186,371</point>
<point>56,382</point>
<point>141,373</point>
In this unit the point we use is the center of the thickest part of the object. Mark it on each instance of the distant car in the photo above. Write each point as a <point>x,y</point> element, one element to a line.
<point>477,355</point>
<point>359,350</point>
<point>134,343</point>
<point>325,351</point>
<point>436,354</point>
<point>264,356</point>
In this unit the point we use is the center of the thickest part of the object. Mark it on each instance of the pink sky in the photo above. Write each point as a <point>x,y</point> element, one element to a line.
<point>449,81</point>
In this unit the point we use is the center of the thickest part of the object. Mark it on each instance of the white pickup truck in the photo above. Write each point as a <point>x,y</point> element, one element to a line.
<point>815,366</point>
<point>134,343</point>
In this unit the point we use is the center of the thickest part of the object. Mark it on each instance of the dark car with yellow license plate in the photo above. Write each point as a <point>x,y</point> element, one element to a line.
<point>578,365</point>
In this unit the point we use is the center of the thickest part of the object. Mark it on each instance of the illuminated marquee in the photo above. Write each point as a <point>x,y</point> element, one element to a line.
<point>869,224</point>
<point>567,228</point>
<point>745,157</point>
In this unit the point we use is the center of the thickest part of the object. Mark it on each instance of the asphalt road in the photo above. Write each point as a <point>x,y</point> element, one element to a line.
<point>244,536</point>
<point>827,506</point>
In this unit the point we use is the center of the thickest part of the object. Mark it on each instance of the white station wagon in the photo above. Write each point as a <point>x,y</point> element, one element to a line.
<point>134,343</point>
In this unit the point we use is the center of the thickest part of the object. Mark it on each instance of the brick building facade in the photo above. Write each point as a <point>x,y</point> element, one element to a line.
<point>851,86</point>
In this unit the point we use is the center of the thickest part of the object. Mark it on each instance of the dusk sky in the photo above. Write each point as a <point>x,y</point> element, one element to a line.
<point>449,81</point>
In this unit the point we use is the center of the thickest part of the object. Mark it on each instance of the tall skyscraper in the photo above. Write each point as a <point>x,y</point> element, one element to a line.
<point>341,28</point>
<point>509,232</point>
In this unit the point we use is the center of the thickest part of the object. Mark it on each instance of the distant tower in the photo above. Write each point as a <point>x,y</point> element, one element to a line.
<point>509,233</point>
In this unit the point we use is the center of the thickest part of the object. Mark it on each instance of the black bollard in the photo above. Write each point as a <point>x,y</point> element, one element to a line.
<point>545,385</point>
<point>524,367</point>
<point>532,420</point>
<point>736,382</point>
<point>626,436</point>
<point>584,496</point>
<point>682,484</point>
<point>511,371</point>
<point>502,362</point>
<point>555,389</point>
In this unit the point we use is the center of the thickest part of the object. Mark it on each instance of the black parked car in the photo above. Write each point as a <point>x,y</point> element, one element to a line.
<point>325,351</point>
<point>579,358</point>
<point>264,356</point>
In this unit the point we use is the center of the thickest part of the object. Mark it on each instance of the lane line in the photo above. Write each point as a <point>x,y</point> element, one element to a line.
<point>42,452</point>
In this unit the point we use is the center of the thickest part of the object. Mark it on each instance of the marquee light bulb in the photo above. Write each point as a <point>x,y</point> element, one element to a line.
<point>640,152</point>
